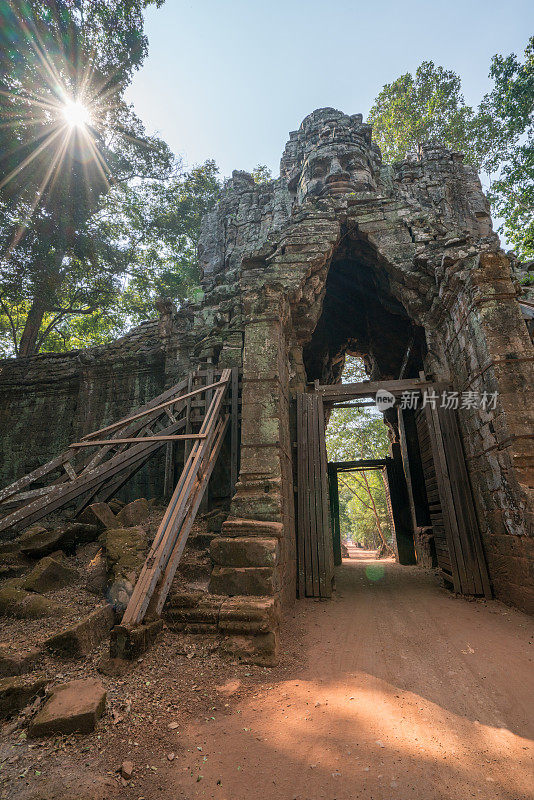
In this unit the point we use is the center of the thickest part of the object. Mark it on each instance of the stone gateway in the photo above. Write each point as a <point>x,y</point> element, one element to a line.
<point>342,254</point>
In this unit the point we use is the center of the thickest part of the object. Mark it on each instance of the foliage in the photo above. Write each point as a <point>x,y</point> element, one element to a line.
<point>53,175</point>
<point>497,137</point>
<point>353,434</point>
<point>511,105</point>
<point>261,174</point>
<point>415,109</point>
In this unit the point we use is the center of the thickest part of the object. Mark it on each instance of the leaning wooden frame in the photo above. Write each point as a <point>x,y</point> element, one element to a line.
<point>129,443</point>
<point>162,561</point>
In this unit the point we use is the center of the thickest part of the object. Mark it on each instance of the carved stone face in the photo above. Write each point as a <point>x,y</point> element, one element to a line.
<point>338,164</point>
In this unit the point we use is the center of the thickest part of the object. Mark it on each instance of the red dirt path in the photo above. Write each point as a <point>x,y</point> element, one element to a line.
<point>404,692</point>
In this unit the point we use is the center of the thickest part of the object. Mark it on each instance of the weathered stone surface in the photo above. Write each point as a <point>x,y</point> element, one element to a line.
<point>17,602</point>
<point>249,615</point>
<point>73,707</point>
<point>99,514</point>
<point>16,692</point>
<point>81,638</point>
<point>244,552</point>
<point>125,555</point>
<point>243,580</point>
<point>133,514</point>
<point>42,543</point>
<point>129,642</point>
<point>17,662</point>
<point>48,576</point>
<point>215,521</point>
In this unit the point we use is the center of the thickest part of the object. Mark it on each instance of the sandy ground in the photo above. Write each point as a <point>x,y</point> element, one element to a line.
<point>394,690</point>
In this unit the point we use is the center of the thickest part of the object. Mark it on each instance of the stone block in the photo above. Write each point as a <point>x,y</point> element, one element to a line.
<point>96,575</point>
<point>249,615</point>
<point>67,538</point>
<point>129,642</point>
<point>81,638</point>
<point>244,552</point>
<point>17,602</point>
<point>253,527</point>
<point>261,649</point>
<point>48,576</point>
<point>99,514</point>
<point>215,522</point>
<point>17,662</point>
<point>133,514</point>
<point>73,707</point>
<point>259,581</point>
<point>17,692</point>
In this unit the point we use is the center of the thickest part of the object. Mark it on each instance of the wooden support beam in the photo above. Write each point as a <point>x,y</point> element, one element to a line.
<point>169,529</point>
<point>168,403</point>
<point>136,440</point>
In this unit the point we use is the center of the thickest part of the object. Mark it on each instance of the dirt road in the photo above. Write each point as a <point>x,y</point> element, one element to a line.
<point>403,692</point>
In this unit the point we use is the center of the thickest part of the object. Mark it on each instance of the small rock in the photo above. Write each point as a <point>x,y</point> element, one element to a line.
<point>127,769</point>
<point>73,707</point>
<point>172,726</point>
<point>170,756</point>
<point>133,514</point>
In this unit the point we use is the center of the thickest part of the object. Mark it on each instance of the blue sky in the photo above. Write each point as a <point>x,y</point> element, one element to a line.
<point>228,79</point>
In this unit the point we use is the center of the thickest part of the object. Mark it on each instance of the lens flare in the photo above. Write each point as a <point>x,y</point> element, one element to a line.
<point>75,114</point>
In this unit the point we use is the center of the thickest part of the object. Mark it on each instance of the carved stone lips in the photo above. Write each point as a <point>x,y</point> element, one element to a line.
<point>339,187</point>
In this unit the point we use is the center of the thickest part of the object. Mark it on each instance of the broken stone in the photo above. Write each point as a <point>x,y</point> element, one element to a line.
<point>16,662</point>
<point>96,575</point>
<point>127,770</point>
<point>215,521</point>
<point>73,707</point>
<point>130,642</point>
<point>133,514</point>
<point>42,543</point>
<point>17,602</point>
<point>99,514</point>
<point>125,556</point>
<point>82,637</point>
<point>48,576</point>
<point>16,692</point>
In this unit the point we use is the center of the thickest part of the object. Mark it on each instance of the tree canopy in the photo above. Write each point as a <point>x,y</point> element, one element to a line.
<point>497,137</point>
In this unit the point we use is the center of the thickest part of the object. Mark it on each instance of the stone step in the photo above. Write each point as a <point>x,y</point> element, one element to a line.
<point>252,527</point>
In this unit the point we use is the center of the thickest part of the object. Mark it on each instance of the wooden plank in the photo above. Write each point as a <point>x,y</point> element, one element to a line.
<point>301,495</point>
<point>342,391</point>
<point>137,439</point>
<point>309,517</point>
<point>314,517</point>
<point>189,515</point>
<point>465,502</point>
<point>165,537</point>
<point>164,540</point>
<point>327,541</point>
<point>65,493</point>
<point>447,506</point>
<point>318,496</point>
<point>128,420</point>
<point>36,474</point>
<point>234,432</point>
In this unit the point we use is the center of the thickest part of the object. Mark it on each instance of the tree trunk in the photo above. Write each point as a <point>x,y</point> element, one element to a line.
<point>28,340</point>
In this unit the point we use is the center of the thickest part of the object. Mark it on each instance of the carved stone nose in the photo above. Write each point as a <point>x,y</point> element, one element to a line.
<point>336,171</point>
